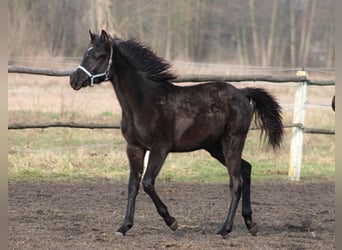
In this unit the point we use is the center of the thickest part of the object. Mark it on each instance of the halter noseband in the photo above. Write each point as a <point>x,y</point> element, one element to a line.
<point>106,73</point>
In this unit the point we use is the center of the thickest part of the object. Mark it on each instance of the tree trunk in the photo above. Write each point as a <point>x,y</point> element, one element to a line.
<point>292,34</point>
<point>310,29</point>
<point>331,47</point>
<point>272,32</point>
<point>169,32</point>
<point>303,32</point>
<point>254,32</point>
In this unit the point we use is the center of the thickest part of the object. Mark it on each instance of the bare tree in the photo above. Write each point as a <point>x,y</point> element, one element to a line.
<point>254,26</point>
<point>272,32</point>
<point>263,32</point>
<point>293,33</point>
<point>309,33</point>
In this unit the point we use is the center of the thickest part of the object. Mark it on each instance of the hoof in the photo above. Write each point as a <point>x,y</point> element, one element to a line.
<point>224,233</point>
<point>174,225</point>
<point>221,236</point>
<point>117,233</point>
<point>123,229</point>
<point>253,229</point>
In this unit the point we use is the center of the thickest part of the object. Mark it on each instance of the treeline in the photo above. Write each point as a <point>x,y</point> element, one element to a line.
<point>290,33</point>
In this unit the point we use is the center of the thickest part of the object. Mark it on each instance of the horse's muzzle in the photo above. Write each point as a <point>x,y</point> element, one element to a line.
<point>75,82</point>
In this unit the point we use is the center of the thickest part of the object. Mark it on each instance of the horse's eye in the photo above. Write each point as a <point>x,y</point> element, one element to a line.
<point>98,56</point>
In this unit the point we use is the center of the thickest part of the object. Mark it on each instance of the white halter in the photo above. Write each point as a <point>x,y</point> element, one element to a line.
<point>106,73</point>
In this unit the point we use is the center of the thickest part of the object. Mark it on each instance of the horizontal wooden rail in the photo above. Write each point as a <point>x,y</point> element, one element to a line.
<point>117,126</point>
<point>253,78</point>
<point>188,78</point>
<point>39,71</point>
<point>63,125</point>
<point>319,131</point>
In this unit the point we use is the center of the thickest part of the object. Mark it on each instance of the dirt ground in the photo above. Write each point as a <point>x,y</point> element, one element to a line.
<point>85,214</point>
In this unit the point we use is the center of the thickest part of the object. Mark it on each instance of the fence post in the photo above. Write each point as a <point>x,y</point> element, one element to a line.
<point>298,132</point>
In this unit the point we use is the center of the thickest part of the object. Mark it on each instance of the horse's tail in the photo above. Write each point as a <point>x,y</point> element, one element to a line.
<point>267,113</point>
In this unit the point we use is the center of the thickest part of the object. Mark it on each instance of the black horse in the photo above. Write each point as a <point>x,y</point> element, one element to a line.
<point>161,117</point>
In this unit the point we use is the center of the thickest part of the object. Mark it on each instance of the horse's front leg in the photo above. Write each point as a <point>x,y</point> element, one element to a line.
<point>156,160</point>
<point>136,161</point>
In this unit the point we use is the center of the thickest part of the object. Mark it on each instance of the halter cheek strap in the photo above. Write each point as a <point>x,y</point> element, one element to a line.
<point>91,76</point>
<point>106,73</point>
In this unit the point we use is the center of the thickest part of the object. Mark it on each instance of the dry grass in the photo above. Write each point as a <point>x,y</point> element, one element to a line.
<point>87,153</point>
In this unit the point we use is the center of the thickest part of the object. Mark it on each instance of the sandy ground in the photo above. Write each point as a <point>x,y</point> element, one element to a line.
<point>85,214</point>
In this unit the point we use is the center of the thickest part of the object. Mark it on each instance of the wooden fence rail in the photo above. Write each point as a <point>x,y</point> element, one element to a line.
<point>298,128</point>
<point>13,126</point>
<point>188,78</point>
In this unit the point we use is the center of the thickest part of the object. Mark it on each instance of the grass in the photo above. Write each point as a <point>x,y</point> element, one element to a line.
<point>64,153</point>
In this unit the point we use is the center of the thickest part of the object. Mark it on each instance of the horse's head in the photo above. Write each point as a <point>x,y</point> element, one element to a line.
<point>96,62</point>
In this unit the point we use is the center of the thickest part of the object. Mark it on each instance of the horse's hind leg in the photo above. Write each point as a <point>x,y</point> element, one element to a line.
<point>155,163</point>
<point>245,172</point>
<point>232,146</point>
<point>246,196</point>
<point>136,161</point>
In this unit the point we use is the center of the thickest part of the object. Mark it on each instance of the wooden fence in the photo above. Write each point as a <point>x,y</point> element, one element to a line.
<point>298,128</point>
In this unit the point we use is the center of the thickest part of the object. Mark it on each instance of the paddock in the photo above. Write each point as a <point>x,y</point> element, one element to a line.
<point>84,214</point>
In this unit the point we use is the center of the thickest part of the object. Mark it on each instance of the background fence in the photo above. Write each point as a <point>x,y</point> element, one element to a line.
<point>301,80</point>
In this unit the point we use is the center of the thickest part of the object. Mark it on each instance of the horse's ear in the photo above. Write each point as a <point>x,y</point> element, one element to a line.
<point>92,36</point>
<point>105,37</point>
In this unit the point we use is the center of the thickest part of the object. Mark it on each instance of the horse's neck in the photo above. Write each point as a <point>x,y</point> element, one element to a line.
<point>130,89</point>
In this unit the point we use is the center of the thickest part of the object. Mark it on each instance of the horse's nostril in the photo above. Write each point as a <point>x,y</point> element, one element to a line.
<point>71,82</point>
<point>73,79</point>
<point>75,83</point>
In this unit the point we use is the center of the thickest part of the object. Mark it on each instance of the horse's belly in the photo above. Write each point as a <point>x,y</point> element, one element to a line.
<point>192,135</point>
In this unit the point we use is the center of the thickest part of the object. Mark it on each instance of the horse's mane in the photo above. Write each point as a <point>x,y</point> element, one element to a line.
<point>145,61</point>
